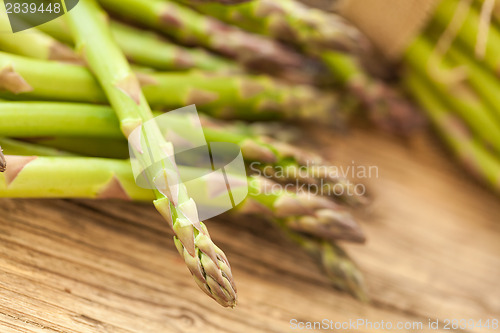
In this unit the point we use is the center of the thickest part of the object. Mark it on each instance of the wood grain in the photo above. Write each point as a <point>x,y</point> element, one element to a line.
<point>85,266</point>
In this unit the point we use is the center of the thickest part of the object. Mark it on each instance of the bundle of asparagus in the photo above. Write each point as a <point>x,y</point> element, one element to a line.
<point>329,38</point>
<point>94,68</point>
<point>452,70</point>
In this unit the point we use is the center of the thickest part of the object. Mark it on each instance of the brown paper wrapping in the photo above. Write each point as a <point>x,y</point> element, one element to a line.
<point>390,24</point>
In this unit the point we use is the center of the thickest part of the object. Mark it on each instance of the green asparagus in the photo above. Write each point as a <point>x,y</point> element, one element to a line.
<point>476,158</point>
<point>338,267</point>
<point>282,162</point>
<point>468,33</point>
<point>207,263</point>
<point>459,96</point>
<point>484,82</point>
<point>492,7</point>
<point>192,28</point>
<point>96,178</point>
<point>386,106</point>
<point>146,48</point>
<point>33,43</point>
<point>308,28</point>
<point>35,119</point>
<point>85,146</point>
<point>222,95</point>
<point>334,41</point>
<point>19,147</point>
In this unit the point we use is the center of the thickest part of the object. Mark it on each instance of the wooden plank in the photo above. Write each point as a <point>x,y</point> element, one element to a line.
<point>85,266</point>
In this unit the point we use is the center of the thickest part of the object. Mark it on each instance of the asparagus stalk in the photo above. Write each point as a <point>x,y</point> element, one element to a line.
<point>84,146</point>
<point>96,178</point>
<point>290,21</point>
<point>495,8</point>
<point>207,263</point>
<point>148,49</point>
<point>17,147</point>
<point>468,33</point>
<point>478,160</point>
<point>459,96</point>
<point>192,28</point>
<point>282,162</point>
<point>337,265</point>
<point>34,43</point>
<point>339,268</point>
<point>387,107</point>
<point>222,95</point>
<point>484,82</point>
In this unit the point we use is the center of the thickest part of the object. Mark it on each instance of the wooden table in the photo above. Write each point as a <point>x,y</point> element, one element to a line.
<point>433,252</point>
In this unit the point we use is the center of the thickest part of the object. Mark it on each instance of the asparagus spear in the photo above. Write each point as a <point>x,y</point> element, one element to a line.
<point>223,95</point>
<point>280,161</point>
<point>310,29</point>
<point>33,43</point>
<point>84,146</point>
<point>192,28</point>
<point>301,212</point>
<point>468,33</point>
<point>484,82</point>
<point>386,106</point>
<point>495,8</point>
<point>459,96</point>
<point>207,263</point>
<point>146,48</point>
<point>478,160</point>
<point>339,268</point>
<point>18,147</point>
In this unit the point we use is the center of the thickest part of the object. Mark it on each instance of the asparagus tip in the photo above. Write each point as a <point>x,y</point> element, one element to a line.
<point>395,113</point>
<point>343,272</point>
